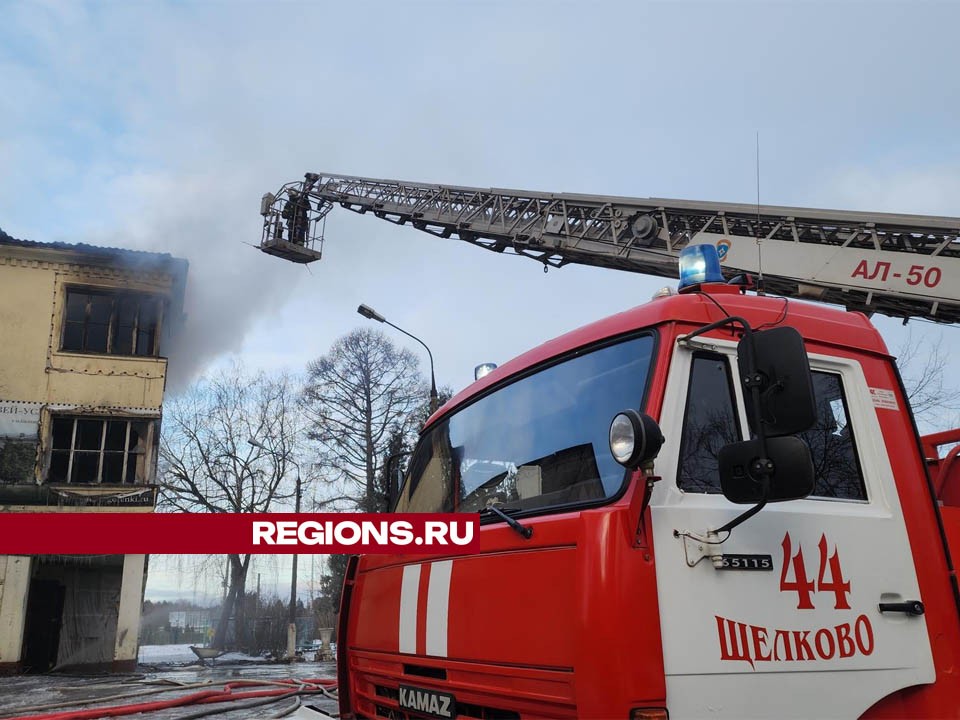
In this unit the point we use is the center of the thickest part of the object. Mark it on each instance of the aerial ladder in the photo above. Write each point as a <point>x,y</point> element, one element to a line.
<point>905,266</point>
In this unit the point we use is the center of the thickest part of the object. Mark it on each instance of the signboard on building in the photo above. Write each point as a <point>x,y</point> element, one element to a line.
<point>144,497</point>
<point>19,419</point>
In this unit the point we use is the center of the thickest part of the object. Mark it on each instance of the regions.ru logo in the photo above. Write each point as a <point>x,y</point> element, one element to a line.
<point>723,247</point>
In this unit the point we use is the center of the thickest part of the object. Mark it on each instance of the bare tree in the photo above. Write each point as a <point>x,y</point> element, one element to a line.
<point>923,366</point>
<point>401,441</point>
<point>208,465</point>
<point>356,396</point>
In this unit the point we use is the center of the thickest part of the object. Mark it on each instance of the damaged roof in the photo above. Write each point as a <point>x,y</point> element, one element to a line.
<point>96,252</point>
<point>137,260</point>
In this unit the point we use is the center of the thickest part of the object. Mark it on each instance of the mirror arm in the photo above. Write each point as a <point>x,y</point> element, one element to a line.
<point>752,380</point>
<point>719,323</point>
<point>743,517</point>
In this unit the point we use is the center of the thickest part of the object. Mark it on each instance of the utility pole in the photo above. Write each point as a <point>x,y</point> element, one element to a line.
<point>292,630</point>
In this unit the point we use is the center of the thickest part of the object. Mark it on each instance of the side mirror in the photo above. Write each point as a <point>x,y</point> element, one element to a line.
<point>782,372</point>
<point>635,438</point>
<point>742,478</point>
<point>775,466</point>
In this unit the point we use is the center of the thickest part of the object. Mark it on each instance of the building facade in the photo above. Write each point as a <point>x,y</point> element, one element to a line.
<point>84,335</point>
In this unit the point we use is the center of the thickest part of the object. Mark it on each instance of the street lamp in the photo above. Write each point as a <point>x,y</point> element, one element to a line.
<point>292,629</point>
<point>370,313</point>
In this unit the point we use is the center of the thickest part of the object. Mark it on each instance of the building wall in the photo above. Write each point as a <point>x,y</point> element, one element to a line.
<point>33,369</point>
<point>39,383</point>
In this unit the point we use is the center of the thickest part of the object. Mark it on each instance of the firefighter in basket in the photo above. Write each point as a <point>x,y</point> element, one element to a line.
<point>295,215</point>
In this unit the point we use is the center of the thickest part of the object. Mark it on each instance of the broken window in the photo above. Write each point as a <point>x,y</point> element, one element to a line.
<point>113,323</point>
<point>88,450</point>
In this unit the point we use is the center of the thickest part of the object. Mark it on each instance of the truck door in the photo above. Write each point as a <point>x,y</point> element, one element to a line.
<point>780,618</point>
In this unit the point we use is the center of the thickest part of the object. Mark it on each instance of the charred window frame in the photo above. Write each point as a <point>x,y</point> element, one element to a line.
<point>112,322</point>
<point>91,450</point>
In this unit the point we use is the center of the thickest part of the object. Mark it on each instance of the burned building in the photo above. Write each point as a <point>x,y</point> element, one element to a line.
<point>84,332</point>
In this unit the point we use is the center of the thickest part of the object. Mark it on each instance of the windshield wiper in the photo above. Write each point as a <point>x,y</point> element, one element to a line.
<point>522,529</point>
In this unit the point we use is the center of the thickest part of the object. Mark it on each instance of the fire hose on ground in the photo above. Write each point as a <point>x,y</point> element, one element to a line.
<point>168,686</point>
<point>280,690</point>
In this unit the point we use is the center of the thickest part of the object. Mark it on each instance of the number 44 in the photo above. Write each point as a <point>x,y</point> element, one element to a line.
<point>829,576</point>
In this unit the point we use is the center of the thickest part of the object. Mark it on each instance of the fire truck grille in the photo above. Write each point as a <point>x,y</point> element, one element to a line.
<point>464,710</point>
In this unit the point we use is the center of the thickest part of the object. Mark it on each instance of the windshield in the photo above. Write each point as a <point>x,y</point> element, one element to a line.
<point>540,441</point>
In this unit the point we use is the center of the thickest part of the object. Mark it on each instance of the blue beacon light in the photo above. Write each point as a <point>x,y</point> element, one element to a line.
<point>699,264</point>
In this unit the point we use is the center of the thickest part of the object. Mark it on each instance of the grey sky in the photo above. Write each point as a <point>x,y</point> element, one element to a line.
<point>159,125</point>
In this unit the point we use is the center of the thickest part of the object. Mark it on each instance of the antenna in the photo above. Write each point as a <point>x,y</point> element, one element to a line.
<point>757,232</point>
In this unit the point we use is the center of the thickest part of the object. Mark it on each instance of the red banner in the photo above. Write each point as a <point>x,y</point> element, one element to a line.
<point>72,533</point>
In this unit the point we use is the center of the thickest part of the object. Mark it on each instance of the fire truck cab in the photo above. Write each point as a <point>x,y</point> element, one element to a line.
<point>625,601</point>
<point>716,504</point>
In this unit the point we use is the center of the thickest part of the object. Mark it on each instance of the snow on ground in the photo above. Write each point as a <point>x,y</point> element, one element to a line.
<point>179,654</point>
<point>166,654</point>
<point>239,657</point>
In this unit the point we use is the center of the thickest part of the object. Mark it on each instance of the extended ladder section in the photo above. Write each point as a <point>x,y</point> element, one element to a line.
<point>899,265</point>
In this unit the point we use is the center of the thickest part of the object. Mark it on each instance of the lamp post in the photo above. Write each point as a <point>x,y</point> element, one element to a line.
<point>292,628</point>
<point>370,313</point>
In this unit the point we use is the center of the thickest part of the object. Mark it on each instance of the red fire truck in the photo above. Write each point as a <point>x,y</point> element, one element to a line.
<point>716,504</point>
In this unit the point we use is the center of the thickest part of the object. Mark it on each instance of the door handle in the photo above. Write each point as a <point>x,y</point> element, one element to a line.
<point>910,607</point>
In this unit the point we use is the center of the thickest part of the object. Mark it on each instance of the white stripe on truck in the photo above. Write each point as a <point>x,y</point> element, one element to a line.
<point>438,604</point>
<point>409,590</point>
